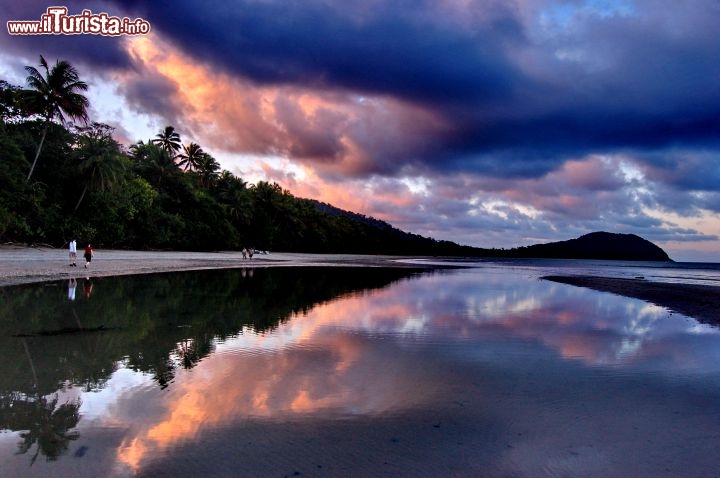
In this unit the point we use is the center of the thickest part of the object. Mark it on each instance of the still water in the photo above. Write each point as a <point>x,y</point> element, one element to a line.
<point>360,372</point>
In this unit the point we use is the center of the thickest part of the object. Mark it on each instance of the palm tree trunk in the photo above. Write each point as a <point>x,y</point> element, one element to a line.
<point>32,364</point>
<point>82,196</point>
<point>37,153</point>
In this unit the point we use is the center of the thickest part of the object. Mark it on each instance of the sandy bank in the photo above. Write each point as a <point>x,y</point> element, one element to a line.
<point>21,265</point>
<point>701,302</point>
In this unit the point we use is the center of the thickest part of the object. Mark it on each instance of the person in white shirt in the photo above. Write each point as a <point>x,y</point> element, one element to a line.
<point>73,253</point>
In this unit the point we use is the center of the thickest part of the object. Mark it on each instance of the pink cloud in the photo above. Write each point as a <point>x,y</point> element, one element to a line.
<point>336,133</point>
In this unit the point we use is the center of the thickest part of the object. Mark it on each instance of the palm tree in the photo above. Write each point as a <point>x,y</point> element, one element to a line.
<point>101,162</point>
<point>152,162</point>
<point>169,140</point>
<point>54,95</point>
<point>208,169</point>
<point>191,156</point>
<point>234,195</point>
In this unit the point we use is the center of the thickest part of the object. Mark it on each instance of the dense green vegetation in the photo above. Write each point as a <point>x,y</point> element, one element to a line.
<point>60,181</point>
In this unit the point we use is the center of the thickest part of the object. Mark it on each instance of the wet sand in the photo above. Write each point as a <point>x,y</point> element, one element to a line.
<point>701,302</point>
<point>23,265</point>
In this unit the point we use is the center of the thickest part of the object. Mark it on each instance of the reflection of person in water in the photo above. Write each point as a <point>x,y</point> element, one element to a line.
<point>72,284</point>
<point>87,287</point>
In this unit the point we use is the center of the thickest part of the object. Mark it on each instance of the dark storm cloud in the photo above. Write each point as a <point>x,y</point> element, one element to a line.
<point>392,48</point>
<point>695,170</point>
<point>153,95</point>
<point>597,82</point>
<point>517,94</point>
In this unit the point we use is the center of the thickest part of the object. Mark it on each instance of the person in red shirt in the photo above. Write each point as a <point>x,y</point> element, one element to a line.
<point>88,255</point>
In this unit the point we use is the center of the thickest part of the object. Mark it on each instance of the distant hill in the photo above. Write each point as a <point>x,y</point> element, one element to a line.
<point>333,211</point>
<point>360,234</point>
<point>597,245</point>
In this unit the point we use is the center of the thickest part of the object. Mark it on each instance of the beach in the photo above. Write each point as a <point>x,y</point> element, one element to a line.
<point>268,368</point>
<point>25,265</point>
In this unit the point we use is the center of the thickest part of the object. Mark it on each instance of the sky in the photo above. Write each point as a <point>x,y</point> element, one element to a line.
<point>491,123</point>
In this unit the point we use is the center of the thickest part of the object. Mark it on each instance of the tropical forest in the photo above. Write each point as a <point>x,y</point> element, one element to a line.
<point>64,176</point>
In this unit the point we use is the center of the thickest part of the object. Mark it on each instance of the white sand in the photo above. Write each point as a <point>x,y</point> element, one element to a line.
<point>21,265</point>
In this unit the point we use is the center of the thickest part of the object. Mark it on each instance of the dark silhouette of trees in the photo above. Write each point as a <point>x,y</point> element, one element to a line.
<point>190,157</point>
<point>169,140</point>
<point>47,425</point>
<point>207,169</point>
<point>100,162</point>
<point>153,162</point>
<point>54,95</point>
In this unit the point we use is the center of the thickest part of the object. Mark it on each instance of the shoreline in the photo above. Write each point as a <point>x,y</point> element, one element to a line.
<point>698,301</point>
<point>27,265</point>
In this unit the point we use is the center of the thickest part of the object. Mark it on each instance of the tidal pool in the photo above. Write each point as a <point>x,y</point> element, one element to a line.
<point>359,372</point>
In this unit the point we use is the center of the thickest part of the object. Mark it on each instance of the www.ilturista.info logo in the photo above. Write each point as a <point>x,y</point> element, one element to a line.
<point>57,22</point>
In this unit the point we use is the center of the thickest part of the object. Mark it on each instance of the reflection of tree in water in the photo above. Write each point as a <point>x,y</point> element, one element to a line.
<point>162,354</point>
<point>29,402</point>
<point>42,423</point>
<point>164,373</point>
<point>156,324</point>
<point>153,324</point>
<point>191,350</point>
<point>186,353</point>
<point>177,318</point>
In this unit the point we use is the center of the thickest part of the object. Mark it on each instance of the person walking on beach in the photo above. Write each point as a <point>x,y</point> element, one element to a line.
<point>73,253</point>
<point>88,255</point>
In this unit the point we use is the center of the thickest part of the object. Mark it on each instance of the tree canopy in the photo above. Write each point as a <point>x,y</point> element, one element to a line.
<point>54,95</point>
<point>61,181</point>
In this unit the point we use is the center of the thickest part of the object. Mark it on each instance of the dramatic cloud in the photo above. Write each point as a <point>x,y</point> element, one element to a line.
<point>530,92</point>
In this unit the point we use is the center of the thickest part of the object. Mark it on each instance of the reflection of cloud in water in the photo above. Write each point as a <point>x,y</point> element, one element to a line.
<point>341,374</point>
<point>327,360</point>
<point>598,328</point>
